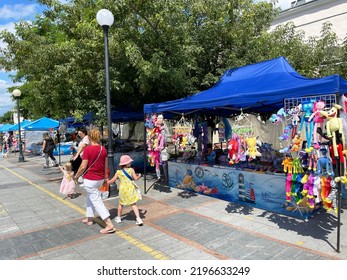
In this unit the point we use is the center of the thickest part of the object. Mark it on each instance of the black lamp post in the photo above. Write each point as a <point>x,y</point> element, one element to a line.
<point>16,94</point>
<point>105,19</point>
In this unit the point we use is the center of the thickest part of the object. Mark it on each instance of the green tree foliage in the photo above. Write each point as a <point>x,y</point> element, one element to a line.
<point>159,50</point>
<point>6,118</point>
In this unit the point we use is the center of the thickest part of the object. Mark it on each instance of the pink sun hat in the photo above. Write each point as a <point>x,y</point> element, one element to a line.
<point>124,160</point>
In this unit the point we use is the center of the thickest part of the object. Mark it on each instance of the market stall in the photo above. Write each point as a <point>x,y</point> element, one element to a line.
<point>123,117</point>
<point>271,86</point>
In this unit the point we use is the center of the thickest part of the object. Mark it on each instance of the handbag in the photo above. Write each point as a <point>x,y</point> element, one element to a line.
<point>137,188</point>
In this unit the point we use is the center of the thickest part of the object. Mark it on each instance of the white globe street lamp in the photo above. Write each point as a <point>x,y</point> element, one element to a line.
<point>105,19</point>
<point>16,94</point>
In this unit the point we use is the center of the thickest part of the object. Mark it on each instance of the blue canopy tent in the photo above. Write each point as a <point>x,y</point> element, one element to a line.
<point>15,126</point>
<point>126,116</point>
<point>121,115</point>
<point>5,127</point>
<point>42,124</point>
<point>74,123</point>
<point>257,88</point>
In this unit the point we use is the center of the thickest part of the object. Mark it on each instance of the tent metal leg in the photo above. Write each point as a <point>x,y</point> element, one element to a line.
<point>339,204</point>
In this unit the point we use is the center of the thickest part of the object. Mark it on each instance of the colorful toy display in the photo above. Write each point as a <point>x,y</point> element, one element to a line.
<point>155,129</point>
<point>311,145</point>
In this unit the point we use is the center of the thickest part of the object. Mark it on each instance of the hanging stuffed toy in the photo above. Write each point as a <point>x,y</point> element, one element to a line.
<point>330,145</point>
<point>296,143</point>
<point>288,186</point>
<point>326,189</point>
<point>343,179</point>
<point>313,158</point>
<point>252,148</point>
<point>324,164</point>
<point>308,191</point>
<point>307,108</point>
<point>318,120</point>
<point>287,165</point>
<point>233,148</point>
<point>155,141</point>
<point>334,126</point>
<point>278,117</point>
<point>295,118</point>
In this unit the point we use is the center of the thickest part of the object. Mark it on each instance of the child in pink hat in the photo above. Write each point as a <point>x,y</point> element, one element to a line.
<point>128,194</point>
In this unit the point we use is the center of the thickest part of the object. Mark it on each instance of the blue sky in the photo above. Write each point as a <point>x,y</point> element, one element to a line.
<point>12,11</point>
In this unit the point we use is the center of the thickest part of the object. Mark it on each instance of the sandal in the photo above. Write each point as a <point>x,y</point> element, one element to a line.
<point>107,231</point>
<point>87,222</point>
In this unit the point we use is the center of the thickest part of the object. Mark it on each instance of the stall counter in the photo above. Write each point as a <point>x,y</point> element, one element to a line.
<point>264,191</point>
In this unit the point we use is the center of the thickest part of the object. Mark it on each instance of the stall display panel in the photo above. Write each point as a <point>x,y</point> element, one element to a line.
<point>264,191</point>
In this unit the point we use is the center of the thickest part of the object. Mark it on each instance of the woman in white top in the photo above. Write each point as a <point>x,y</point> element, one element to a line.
<point>77,159</point>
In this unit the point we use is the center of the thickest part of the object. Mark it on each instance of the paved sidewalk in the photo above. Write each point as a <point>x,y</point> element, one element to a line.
<point>36,222</point>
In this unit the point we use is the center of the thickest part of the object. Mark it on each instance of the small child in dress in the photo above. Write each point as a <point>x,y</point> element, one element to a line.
<point>67,185</point>
<point>128,195</point>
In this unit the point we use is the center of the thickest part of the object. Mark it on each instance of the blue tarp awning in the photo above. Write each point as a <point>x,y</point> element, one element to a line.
<point>5,127</point>
<point>121,115</point>
<point>72,120</point>
<point>260,87</point>
<point>42,124</point>
<point>126,116</point>
<point>15,126</point>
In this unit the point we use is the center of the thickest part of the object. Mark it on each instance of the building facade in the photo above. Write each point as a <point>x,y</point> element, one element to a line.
<point>309,16</point>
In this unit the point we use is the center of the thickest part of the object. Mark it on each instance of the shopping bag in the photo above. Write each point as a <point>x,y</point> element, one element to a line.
<point>137,188</point>
<point>104,187</point>
<point>104,190</point>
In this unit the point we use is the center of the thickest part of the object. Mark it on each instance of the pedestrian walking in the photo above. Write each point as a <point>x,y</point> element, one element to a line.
<point>67,185</point>
<point>128,193</point>
<point>94,170</point>
<point>76,160</point>
<point>48,147</point>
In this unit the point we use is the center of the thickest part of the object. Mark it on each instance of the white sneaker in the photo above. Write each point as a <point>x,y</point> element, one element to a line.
<point>118,220</point>
<point>139,222</point>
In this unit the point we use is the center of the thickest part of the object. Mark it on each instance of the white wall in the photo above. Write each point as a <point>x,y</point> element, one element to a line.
<point>310,17</point>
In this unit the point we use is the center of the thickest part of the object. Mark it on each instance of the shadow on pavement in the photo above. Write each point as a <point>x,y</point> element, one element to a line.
<point>239,209</point>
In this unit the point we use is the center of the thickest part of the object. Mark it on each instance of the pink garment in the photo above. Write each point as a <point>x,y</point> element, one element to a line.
<point>67,185</point>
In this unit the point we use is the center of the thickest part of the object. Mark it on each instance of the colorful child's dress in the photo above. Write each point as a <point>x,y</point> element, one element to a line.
<point>128,195</point>
<point>67,184</point>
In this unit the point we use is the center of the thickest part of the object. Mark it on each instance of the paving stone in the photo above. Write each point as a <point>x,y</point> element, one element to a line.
<point>62,254</point>
<point>8,254</point>
<point>185,227</point>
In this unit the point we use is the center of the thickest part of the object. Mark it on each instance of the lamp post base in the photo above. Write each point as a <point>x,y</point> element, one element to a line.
<point>113,190</point>
<point>21,159</point>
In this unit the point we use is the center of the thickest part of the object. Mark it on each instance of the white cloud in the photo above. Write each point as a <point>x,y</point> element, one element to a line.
<point>9,27</point>
<point>17,11</point>
<point>9,15</point>
<point>6,102</point>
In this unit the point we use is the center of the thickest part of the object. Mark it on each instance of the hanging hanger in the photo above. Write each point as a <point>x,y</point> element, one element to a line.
<point>182,126</point>
<point>242,125</point>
